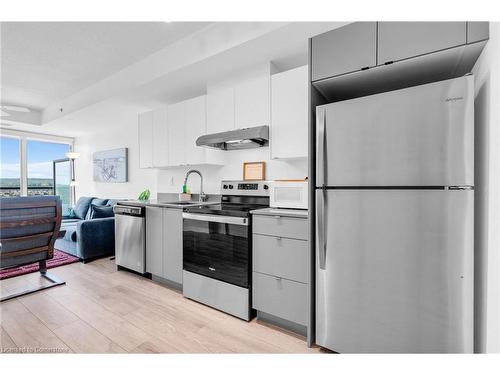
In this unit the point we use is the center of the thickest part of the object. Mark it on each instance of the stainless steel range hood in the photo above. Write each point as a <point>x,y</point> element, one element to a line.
<point>236,139</point>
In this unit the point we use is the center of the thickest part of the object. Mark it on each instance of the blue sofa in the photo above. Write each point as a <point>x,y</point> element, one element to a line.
<point>88,237</point>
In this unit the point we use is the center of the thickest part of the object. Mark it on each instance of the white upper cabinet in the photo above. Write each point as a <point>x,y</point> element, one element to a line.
<point>289,118</point>
<point>401,40</point>
<point>160,138</point>
<point>176,115</point>
<point>252,103</point>
<point>196,126</point>
<point>167,135</point>
<point>145,129</point>
<point>220,110</point>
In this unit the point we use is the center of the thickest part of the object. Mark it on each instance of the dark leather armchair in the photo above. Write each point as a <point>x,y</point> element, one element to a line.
<point>29,227</point>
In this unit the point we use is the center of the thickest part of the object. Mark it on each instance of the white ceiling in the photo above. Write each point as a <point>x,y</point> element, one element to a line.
<point>99,78</point>
<point>44,62</point>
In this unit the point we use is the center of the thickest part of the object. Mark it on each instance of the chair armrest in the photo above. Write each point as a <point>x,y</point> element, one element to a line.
<point>96,237</point>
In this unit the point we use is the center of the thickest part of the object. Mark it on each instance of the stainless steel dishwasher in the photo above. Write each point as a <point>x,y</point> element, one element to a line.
<point>130,237</point>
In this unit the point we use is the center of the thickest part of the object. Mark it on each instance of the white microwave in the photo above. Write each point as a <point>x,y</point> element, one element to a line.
<point>288,194</point>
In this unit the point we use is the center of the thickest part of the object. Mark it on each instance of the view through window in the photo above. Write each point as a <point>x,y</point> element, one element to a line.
<point>10,170</point>
<point>42,176</point>
<point>48,170</point>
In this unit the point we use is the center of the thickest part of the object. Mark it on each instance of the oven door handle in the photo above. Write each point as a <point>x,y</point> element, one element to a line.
<point>216,218</point>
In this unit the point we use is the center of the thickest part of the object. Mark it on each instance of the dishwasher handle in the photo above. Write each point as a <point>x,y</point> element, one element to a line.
<point>129,210</point>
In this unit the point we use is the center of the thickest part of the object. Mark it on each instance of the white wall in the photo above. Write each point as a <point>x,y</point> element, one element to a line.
<point>487,190</point>
<point>115,132</point>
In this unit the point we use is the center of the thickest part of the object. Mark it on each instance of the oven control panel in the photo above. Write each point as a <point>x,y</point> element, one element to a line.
<point>257,188</point>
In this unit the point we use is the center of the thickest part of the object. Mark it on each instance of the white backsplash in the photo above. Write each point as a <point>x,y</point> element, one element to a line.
<point>170,180</point>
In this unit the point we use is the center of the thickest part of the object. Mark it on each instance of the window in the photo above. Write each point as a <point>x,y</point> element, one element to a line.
<point>41,173</point>
<point>10,167</point>
<point>35,167</point>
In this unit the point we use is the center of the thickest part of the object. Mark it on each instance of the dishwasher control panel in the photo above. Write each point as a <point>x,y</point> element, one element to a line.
<point>128,210</point>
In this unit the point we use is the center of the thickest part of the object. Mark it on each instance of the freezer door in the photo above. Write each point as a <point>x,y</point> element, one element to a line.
<point>419,136</point>
<point>398,272</point>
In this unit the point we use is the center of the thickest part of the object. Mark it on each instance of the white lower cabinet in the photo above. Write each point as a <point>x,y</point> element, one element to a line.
<point>154,240</point>
<point>164,243</point>
<point>281,297</point>
<point>280,265</point>
<point>172,244</point>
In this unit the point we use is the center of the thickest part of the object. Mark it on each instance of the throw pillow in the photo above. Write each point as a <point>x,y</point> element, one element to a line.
<point>81,207</point>
<point>99,212</point>
<point>96,202</point>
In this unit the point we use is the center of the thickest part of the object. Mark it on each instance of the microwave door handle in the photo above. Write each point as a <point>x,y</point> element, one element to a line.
<point>320,146</point>
<point>320,226</point>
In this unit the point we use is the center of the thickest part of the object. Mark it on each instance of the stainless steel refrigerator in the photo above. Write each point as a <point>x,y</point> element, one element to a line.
<point>394,221</point>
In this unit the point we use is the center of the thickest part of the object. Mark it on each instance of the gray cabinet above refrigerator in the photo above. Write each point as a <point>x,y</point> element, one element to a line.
<point>344,65</point>
<point>347,49</point>
<point>402,40</point>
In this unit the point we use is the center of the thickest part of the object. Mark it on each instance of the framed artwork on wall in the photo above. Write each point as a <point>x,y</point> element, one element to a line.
<point>255,171</point>
<point>111,165</point>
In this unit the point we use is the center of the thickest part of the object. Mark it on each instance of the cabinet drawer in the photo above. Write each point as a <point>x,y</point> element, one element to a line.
<point>281,226</point>
<point>280,297</point>
<point>283,257</point>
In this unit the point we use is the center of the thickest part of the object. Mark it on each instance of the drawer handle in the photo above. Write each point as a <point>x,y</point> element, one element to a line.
<point>277,278</point>
<point>279,238</point>
<point>211,268</point>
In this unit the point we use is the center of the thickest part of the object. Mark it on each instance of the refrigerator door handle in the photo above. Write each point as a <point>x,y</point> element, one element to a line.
<point>320,146</point>
<point>320,227</point>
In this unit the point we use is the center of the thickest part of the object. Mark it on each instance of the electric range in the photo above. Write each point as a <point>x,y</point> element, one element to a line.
<point>217,248</point>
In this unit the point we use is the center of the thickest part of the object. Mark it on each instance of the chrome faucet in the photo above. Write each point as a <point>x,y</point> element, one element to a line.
<point>203,196</point>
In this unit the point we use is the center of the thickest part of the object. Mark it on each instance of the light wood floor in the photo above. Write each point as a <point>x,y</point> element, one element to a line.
<point>101,310</point>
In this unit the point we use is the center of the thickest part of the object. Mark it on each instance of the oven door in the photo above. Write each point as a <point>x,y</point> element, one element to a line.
<point>217,247</point>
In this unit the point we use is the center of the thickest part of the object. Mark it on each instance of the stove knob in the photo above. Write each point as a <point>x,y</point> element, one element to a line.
<point>230,186</point>
<point>224,186</point>
<point>266,187</point>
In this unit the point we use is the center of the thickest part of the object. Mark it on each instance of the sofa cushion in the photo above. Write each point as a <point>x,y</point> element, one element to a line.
<point>81,208</point>
<point>99,212</point>
<point>96,202</point>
